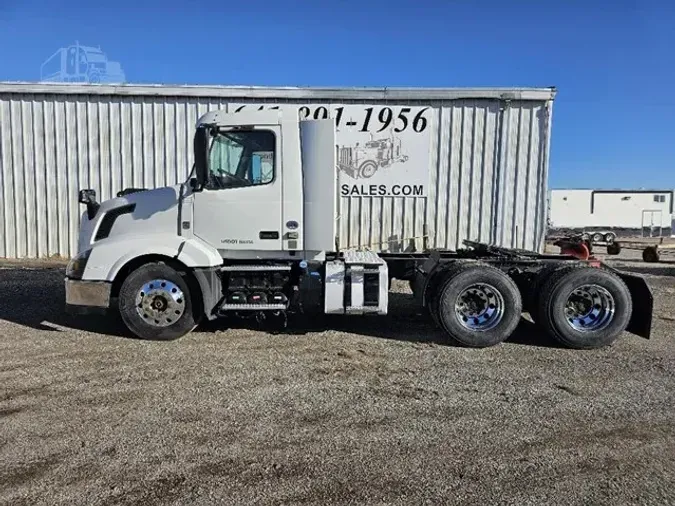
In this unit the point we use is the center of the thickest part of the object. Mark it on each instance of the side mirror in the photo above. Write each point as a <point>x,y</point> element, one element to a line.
<point>194,184</point>
<point>88,197</point>
<point>201,149</point>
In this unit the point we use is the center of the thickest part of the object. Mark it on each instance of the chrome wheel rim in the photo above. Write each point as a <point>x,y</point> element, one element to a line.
<point>589,308</point>
<point>160,303</point>
<point>368,169</point>
<point>479,307</point>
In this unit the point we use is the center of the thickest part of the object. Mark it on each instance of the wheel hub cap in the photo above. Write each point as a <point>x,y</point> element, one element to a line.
<point>160,303</point>
<point>479,307</point>
<point>589,308</point>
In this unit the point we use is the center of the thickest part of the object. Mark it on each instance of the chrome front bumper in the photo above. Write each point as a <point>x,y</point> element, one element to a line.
<point>84,295</point>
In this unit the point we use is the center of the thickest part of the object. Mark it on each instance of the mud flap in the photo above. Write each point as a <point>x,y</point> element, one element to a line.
<point>423,277</point>
<point>643,304</point>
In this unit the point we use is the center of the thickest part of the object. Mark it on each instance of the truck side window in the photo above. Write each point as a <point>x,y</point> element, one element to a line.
<point>241,158</point>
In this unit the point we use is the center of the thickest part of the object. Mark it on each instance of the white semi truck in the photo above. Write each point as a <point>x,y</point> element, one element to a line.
<point>253,231</point>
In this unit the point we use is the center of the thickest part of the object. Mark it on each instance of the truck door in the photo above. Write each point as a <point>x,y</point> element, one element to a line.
<point>241,206</point>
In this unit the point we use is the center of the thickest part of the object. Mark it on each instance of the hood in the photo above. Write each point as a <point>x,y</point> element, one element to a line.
<point>129,191</point>
<point>139,212</point>
<point>145,200</point>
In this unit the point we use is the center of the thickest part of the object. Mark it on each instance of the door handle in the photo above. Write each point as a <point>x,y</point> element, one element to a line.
<point>268,234</point>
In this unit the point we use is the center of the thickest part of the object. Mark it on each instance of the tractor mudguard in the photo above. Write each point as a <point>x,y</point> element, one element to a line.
<point>643,304</point>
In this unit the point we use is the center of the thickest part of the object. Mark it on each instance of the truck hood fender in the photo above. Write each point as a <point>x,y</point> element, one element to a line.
<point>146,211</point>
<point>111,255</point>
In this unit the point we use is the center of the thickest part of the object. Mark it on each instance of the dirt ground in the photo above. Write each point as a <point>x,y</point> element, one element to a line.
<point>371,410</point>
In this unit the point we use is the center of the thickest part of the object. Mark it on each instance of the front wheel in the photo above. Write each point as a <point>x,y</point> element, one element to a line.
<point>478,306</point>
<point>584,307</point>
<point>368,169</point>
<point>155,303</point>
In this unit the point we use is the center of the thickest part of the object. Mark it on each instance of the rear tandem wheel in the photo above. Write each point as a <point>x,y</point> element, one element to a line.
<point>584,307</point>
<point>477,305</point>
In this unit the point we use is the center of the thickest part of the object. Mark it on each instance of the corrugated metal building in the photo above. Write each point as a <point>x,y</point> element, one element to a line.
<point>487,156</point>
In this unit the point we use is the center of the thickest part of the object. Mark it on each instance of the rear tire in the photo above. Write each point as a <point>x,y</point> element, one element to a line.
<point>614,248</point>
<point>478,306</point>
<point>651,254</point>
<point>534,293</point>
<point>433,293</point>
<point>155,303</point>
<point>584,307</point>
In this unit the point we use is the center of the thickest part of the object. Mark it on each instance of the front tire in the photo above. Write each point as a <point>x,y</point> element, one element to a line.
<point>478,306</point>
<point>155,303</point>
<point>367,169</point>
<point>584,307</point>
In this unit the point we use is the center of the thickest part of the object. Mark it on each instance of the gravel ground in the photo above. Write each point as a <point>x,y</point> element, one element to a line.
<point>372,411</point>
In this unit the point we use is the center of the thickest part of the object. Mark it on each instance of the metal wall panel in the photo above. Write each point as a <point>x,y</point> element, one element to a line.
<point>488,183</point>
<point>488,176</point>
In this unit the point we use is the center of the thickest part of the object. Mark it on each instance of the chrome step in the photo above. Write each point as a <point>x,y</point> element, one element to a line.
<point>254,268</point>
<point>361,309</point>
<point>362,257</point>
<point>253,307</point>
<point>371,271</point>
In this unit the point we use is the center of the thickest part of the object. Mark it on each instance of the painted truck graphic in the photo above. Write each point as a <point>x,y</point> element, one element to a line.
<point>363,161</point>
<point>81,64</point>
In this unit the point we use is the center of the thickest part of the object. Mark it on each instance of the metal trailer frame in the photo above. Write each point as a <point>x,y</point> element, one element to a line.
<point>523,266</point>
<point>651,251</point>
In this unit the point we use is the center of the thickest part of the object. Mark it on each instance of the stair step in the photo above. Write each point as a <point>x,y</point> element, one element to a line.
<point>362,257</point>
<point>253,307</point>
<point>254,268</point>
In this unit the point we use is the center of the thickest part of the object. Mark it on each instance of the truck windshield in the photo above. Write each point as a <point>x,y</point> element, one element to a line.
<point>241,158</point>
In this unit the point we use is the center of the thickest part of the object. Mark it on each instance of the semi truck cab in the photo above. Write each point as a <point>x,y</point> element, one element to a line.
<point>253,232</point>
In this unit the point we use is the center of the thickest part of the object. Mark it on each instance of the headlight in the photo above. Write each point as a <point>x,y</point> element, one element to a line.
<point>76,266</point>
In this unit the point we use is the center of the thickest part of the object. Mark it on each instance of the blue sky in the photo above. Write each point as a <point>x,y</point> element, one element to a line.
<point>613,62</point>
